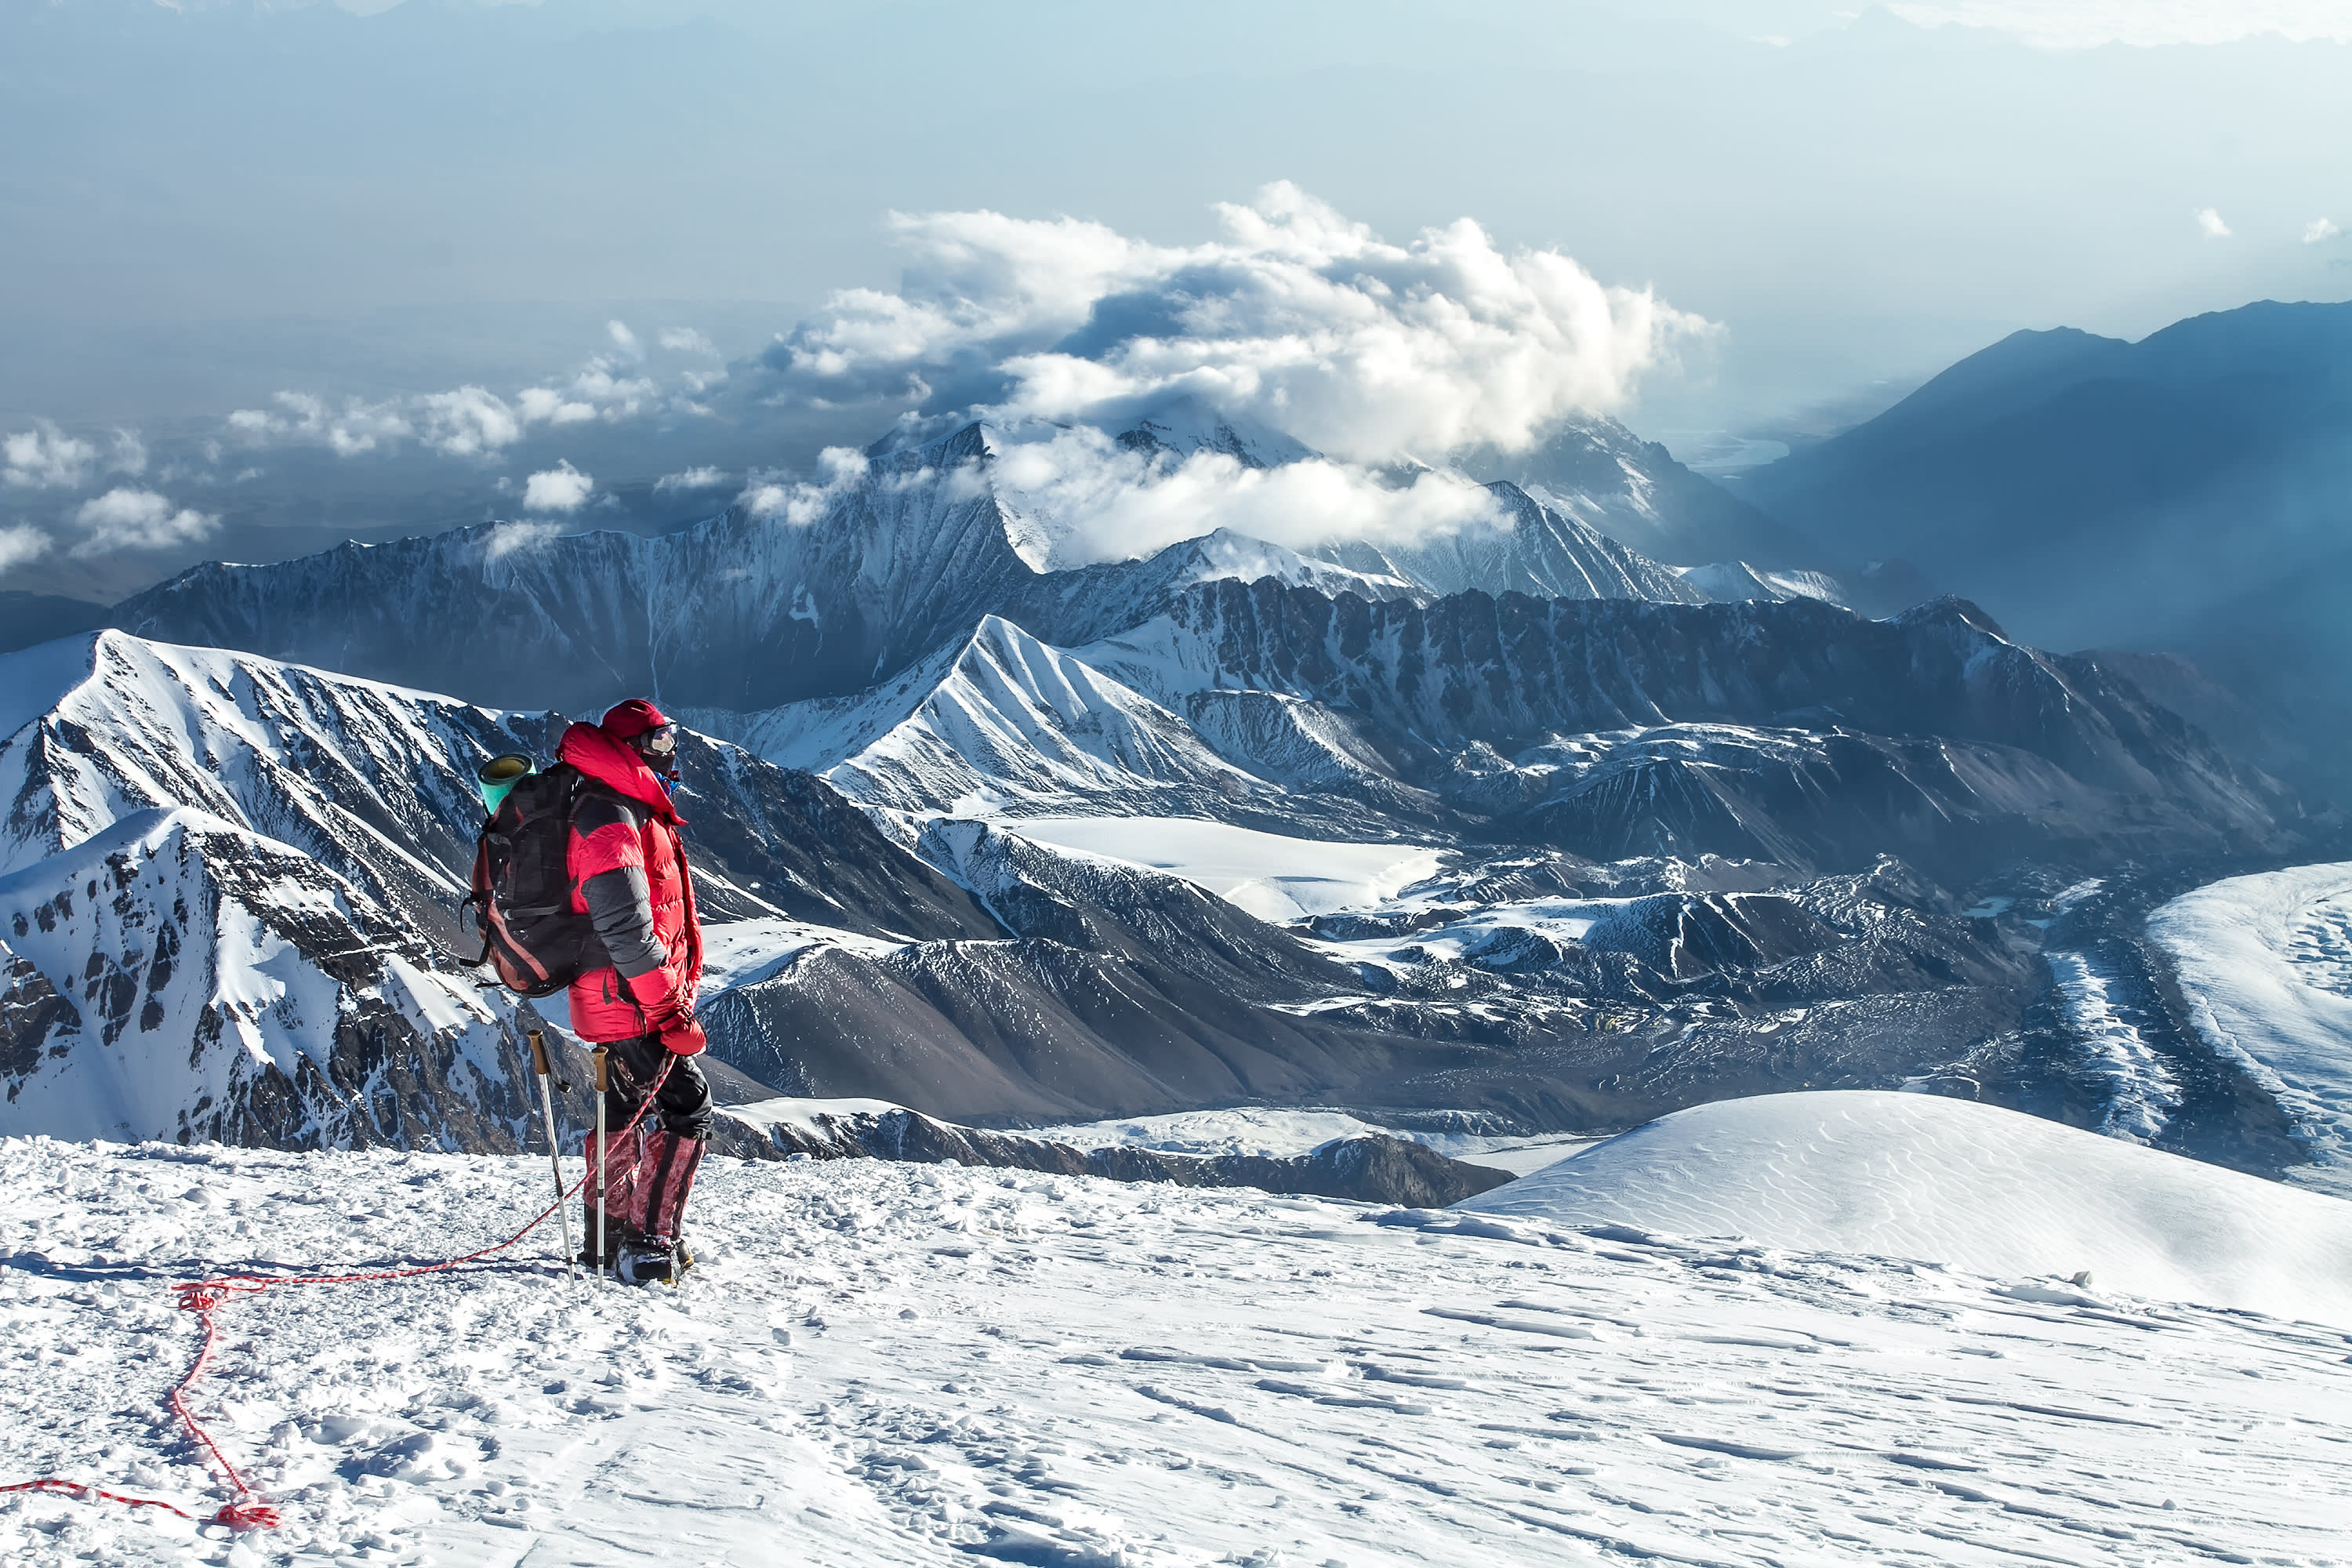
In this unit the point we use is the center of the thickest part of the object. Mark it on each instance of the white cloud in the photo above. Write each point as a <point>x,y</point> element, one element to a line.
<point>20,545</point>
<point>46,457</point>
<point>509,537</point>
<point>559,488</point>
<point>2209,224</point>
<point>1085,499</point>
<point>2319,228</point>
<point>303,418</point>
<point>704,479</point>
<point>688,340</point>
<point>469,421</point>
<point>125,518</point>
<point>1299,317</point>
<point>2087,24</point>
<point>781,499</point>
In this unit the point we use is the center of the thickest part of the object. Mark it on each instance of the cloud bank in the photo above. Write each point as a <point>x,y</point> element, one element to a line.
<point>472,421</point>
<point>1085,499</point>
<point>1368,351</point>
<point>2209,224</point>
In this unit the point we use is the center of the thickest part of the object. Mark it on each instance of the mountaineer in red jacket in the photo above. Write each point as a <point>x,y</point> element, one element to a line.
<point>628,875</point>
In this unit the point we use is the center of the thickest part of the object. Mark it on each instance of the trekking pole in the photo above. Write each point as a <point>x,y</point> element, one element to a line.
<point>603,1175</point>
<point>554,1148</point>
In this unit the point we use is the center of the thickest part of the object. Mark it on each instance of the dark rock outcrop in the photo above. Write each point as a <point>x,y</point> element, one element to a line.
<point>1375,1168</point>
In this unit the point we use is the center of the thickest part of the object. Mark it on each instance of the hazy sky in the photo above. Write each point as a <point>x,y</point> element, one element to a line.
<point>369,206</point>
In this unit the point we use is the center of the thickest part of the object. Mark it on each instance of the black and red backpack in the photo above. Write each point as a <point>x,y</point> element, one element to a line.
<point>523,889</point>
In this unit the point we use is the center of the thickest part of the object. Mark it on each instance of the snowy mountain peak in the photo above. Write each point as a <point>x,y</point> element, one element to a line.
<point>215,985</point>
<point>1185,426</point>
<point>1533,550</point>
<point>1003,720</point>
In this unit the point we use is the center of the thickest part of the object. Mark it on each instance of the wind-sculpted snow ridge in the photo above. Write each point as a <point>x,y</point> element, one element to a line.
<point>929,1366</point>
<point>2262,964</point>
<point>1970,1187</point>
<point>178,978</point>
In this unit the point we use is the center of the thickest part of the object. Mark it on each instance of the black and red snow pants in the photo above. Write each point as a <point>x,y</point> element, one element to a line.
<point>648,1173</point>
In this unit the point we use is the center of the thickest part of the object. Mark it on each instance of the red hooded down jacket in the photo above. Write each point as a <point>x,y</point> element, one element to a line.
<point>629,874</point>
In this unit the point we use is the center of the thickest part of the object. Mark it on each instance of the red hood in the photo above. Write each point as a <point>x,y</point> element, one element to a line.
<point>616,763</point>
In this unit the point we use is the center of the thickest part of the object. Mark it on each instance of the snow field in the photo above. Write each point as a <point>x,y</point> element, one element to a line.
<point>1268,875</point>
<point>2260,962</point>
<point>896,1365</point>
<point>1967,1186</point>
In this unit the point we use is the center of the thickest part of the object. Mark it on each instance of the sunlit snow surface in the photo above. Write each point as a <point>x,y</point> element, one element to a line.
<point>1953,1181</point>
<point>1268,875</point>
<point>897,1365</point>
<point>2263,963</point>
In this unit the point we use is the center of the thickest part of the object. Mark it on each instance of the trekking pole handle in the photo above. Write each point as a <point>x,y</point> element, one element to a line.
<point>604,1070</point>
<point>538,1053</point>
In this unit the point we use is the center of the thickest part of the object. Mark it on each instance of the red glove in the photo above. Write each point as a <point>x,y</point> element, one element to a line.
<point>682,1036</point>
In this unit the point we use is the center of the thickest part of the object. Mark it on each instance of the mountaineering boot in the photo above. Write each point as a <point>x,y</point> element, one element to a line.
<point>648,1259</point>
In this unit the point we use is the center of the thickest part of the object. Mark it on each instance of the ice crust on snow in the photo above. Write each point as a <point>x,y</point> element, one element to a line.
<point>1970,1187</point>
<point>931,1366</point>
<point>2261,963</point>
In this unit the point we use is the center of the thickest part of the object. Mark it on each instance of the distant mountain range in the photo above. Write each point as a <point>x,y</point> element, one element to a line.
<point>2189,492</point>
<point>1645,806</point>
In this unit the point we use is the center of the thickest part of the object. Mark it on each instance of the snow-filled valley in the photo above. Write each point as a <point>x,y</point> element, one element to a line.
<point>880,1363</point>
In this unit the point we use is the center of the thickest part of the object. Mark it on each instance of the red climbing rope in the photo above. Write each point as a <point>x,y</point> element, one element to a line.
<point>83,1488</point>
<point>247,1508</point>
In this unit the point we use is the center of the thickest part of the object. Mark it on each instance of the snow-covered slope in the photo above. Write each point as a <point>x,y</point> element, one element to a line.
<point>2264,963</point>
<point>1608,478</point>
<point>927,1365</point>
<point>176,977</point>
<point>372,781</point>
<point>1972,1186</point>
<point>999,723</point>
<point>1726,581</point>
<point>1535,550</point>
